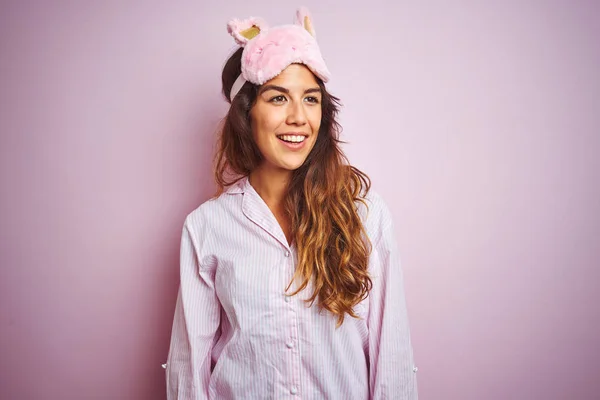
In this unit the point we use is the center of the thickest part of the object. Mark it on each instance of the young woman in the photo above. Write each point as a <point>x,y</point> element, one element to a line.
<point>291,285</point>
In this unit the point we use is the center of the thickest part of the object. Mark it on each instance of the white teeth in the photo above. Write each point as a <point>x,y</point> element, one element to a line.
<point>292,138</point>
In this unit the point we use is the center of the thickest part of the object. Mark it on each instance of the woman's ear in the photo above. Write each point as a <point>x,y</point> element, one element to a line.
<point>245,30</point>
<point>304,19</point>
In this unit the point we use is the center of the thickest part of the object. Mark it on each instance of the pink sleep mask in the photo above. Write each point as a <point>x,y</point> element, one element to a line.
<point>268,51</point>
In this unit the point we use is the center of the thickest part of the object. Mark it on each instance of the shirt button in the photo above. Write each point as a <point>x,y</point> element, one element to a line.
<point>287,299</point>
<point>415,369</point>
<point>287,253</point>
<point>294,390</point>
<point>290,344</point>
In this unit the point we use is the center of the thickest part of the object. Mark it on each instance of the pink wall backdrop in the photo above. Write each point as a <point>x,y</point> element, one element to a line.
<point>479,123</point>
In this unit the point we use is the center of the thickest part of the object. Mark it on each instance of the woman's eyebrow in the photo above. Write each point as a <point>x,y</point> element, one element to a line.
<point>313,90</point>
<point>284,90</point>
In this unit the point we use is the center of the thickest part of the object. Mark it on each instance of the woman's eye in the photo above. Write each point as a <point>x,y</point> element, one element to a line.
<point>278,99</point>
<point>312,99</point>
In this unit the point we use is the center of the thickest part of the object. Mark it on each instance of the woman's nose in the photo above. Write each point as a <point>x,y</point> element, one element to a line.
<point>296,113</point>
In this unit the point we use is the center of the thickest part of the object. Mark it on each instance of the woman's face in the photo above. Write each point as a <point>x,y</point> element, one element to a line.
<point>286,118</point>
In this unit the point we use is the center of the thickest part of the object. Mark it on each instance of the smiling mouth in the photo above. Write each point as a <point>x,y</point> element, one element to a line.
<point>292,138</point>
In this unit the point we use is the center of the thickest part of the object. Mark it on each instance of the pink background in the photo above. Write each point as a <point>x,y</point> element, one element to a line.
<point>479,123</point>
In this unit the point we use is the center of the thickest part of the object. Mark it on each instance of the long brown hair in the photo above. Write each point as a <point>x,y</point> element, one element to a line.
<point>321,201</point>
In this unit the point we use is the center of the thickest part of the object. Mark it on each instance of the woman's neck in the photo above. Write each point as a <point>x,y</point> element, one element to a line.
<point>271,185</point>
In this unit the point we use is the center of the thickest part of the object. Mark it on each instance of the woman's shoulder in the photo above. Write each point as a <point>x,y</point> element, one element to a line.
<point>205,214</point>
<point>375,213</point>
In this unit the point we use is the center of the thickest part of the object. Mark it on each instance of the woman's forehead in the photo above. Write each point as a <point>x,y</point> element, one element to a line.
<point>295,77</point>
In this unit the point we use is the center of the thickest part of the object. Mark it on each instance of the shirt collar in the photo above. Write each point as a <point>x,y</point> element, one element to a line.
<point>240,186</point>
<point>254,207</point>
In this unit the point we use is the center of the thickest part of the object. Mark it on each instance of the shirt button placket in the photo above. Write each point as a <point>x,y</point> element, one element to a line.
<point>291,343</point>
<point>288,266</point>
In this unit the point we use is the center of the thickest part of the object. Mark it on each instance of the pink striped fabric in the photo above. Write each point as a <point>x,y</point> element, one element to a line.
<point>237,335</point>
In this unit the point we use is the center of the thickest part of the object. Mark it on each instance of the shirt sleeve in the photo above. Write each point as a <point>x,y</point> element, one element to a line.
<point>195,325</point>
<point>392,372</point>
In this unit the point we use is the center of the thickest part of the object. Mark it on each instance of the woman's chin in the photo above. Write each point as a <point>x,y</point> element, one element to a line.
<point>291,164</point>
